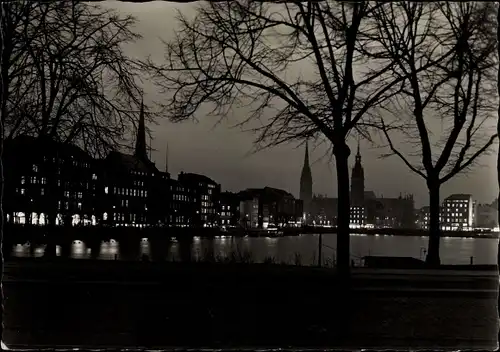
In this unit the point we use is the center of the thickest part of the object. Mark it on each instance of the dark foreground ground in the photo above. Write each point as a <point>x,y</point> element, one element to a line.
<point>112,303</point>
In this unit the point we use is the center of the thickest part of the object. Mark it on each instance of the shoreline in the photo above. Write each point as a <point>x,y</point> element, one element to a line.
<point>39,234</point>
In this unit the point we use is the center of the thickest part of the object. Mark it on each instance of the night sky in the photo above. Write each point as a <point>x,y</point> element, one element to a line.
<point>220,152</point>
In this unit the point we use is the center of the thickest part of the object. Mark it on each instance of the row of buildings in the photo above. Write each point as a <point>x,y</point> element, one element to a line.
<point>48,183</point>
<point>458,211</point>
<point>461,212</point>
<point>51,183</point>
<point>367,210</point>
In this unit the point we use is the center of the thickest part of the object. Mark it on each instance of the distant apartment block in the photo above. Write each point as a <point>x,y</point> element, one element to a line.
<point>229,209</point>
<point>268,207</point>
<point>458,213</point>
<point>357,217</point>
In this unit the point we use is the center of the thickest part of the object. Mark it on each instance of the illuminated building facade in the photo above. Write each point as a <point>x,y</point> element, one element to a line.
<point>131,183</point>
<point>269,207</point>
<point>423,218</point>
<point>50,183</point>
<point>229,209</point>
<point>458,213</point>
<point>183,205</point>
<point>128,185</point>
<point>358,217</point>
<point>367,210</point>
<point>60,184</point>
<point>205,197</point>
<point>324,210</point>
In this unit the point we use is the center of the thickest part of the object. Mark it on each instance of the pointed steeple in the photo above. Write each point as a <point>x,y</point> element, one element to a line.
<point>166,160</point>
<point>357,181</point>
<point>306,182</point>
<point>306,156</point>
<point>140,142</point>
<point>358,154</point>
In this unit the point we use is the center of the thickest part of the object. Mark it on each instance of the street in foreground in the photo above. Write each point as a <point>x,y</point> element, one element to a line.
<point>143,304</point>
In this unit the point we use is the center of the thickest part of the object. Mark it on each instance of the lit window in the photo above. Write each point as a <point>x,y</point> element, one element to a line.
<point>35,168</point>
<point>23,180</point>
<point>42,191</point>
<point>94,177</point>
<point>79,206</point>
<point>22,190</point>
<point>106,190</point>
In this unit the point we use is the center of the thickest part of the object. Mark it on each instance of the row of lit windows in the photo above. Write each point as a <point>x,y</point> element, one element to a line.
<point>459,205</point>
<point>34,180</point>
<point>205,197</point>
<point>181,197</point>
<point>74,163</point>
<point>134,172</point>
<point>180,219</point>
<point>179,189</point>
<point>226,206</point>
<point>174,206</point>
<point>128,192</point>
<point>449,220</point>
<point>78,195</point>
<point>457,214</point>
<point>128,217</point>
<point>66,205</point>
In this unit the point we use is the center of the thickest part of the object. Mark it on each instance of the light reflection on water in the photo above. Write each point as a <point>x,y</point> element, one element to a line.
<point>283,249</point>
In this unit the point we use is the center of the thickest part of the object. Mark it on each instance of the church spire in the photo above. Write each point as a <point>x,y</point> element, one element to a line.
<point>166,160</point>
<point>140,143</point>
<point>358,154</point>
<point>306,156</point>
<point>306,182</point>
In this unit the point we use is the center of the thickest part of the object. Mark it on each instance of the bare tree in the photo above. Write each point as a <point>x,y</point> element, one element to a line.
<point>455,92</point>
<point>67,79</point>
<point>74,84</point>
<point>244,54</point>
<point>497,25</point>
<point>11,27</point>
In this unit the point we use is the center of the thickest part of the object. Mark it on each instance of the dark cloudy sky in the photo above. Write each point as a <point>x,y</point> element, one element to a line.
<point>220,152</point>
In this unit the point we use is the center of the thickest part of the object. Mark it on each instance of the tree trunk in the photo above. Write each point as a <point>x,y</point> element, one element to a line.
<point>5,53</point>
<point>342,299</point>
<point>498,154</point>
<point>341,153</point>
<point>432,258</point>
<point>1,229</point>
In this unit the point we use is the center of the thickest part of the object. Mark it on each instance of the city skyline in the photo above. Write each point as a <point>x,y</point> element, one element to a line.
<point>221,152</point>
